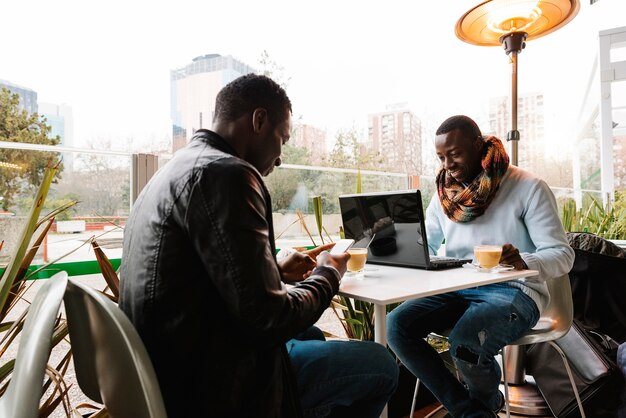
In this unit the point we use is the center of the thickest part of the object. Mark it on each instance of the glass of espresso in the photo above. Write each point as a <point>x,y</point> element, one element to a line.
<point>487,256</point>
<point>356,263</point>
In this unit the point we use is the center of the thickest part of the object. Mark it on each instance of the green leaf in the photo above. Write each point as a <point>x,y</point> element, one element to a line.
<point>29,228</point>
<point>108,272</point>
<point>317,209</point>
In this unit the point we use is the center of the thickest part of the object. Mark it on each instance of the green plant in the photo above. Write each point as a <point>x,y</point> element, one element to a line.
<point>356,317</point>
<point>24,203</point>
<point>13,285</point>
<point>318,210</point>
<point>302,222</point>
<point>26,168</point>
<point>606,221</point>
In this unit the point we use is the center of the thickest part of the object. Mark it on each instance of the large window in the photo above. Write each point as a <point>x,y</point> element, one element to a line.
<point>123,102</point>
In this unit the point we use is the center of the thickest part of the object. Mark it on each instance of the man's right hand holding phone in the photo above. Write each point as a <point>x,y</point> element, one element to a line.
<point>337,261</point>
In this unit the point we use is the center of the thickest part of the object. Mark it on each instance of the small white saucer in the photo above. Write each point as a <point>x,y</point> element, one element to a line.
<point>498,269</point>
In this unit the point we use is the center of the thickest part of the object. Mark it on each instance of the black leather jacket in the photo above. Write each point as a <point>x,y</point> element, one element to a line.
<point>199,280</point>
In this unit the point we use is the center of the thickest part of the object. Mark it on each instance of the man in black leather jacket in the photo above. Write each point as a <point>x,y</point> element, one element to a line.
<point>200,281</point>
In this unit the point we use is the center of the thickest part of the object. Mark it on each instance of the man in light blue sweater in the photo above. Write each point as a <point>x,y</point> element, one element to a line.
<point>480,199</point>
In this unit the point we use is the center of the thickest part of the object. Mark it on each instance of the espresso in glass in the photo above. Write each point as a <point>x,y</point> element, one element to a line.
<point>487,256</point>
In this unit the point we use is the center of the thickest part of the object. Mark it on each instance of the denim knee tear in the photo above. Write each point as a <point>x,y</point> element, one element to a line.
<point>512,317</point>
<point>482,336</point>
<point>465,354</point>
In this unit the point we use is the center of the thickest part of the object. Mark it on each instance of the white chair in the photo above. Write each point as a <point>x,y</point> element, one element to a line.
<point>22,397</point>
<point>554,323</point>
<point>111,362</point>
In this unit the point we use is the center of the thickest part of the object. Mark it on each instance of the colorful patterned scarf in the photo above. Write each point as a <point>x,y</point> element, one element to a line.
<point>461,203</point>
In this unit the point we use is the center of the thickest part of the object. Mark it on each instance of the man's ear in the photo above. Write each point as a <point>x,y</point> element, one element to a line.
<point>479,143</point>
<point>259,119</point>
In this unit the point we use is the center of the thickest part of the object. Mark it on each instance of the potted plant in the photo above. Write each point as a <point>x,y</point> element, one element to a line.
<point>13,285</point>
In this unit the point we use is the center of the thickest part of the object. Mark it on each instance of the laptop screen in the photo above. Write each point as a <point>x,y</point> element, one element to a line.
<point>395,222</point>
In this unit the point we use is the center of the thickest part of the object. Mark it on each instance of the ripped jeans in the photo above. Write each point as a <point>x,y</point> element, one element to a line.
<point>482,320</point>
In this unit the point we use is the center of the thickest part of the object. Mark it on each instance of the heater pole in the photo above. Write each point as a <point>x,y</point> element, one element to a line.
<point>513,44</point>
<point>513,134</point>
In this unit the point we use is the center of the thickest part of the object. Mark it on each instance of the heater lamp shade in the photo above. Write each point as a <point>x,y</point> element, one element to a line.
<point>486,23</point>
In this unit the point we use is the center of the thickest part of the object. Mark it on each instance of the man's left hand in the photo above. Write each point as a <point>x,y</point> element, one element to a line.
<point>298,266</point>
<point>511,256</point>
<point>313,253</point>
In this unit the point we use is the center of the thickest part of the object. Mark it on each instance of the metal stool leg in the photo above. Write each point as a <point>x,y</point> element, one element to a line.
<point>571,377</point>
<point>417,386</point>
<point>506,385</point>
<point>523,397</point>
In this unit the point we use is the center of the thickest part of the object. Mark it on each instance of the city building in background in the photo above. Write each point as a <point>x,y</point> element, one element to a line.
<point>28,97</point>
<point>193,89</point>
<point>530,124</point>
<point>395,134</point>
<point>60,118</point>
<point>311,138</point>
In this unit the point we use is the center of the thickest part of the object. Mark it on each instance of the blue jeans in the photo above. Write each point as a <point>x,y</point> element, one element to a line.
<point>342,378</point>
<point>482,320</point>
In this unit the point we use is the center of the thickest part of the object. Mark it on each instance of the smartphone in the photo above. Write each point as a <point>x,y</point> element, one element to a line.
<point>342,246</point>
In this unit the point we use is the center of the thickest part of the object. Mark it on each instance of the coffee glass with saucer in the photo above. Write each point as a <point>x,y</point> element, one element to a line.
<point>488,258</point>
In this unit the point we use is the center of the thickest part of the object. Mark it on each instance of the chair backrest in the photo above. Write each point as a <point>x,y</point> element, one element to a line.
<point>22,397</point>
<point>111,362</point>
<point>557,317</point>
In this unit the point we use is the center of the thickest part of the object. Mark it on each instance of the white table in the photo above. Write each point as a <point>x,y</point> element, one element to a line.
<point>383,285</point>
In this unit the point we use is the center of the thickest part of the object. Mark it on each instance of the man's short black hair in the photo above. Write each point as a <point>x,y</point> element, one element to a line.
<point>249,92</point>
<point>461,122</point>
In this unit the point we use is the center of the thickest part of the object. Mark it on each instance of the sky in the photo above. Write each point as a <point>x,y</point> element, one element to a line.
<point>111,61</point>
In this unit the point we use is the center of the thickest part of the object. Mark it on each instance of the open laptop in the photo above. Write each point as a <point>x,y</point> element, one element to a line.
<point>394,223</point>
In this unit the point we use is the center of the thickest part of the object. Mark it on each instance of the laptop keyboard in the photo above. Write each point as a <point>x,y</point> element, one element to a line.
<point>442,258</point>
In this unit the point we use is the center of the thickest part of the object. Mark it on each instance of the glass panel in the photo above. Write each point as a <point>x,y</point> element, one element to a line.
<point>292,190</point>
<point>100,184</point>
<point>618,54</point>
<point>589,154</point>
<point>618,98</point>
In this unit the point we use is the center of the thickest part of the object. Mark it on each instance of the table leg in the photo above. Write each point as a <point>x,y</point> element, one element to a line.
<point>380,333</point>
<point>380,324</point>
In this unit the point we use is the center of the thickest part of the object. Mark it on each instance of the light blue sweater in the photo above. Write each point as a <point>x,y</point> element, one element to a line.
<point>523,213</point>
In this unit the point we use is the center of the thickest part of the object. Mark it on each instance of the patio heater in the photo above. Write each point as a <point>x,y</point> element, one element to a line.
<point>511,23</point>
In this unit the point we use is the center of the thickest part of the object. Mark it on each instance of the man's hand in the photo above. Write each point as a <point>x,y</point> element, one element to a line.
<point>339,261</point>
<point>313,253</point>
<point>510,255</point>
<point>298,266</point>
